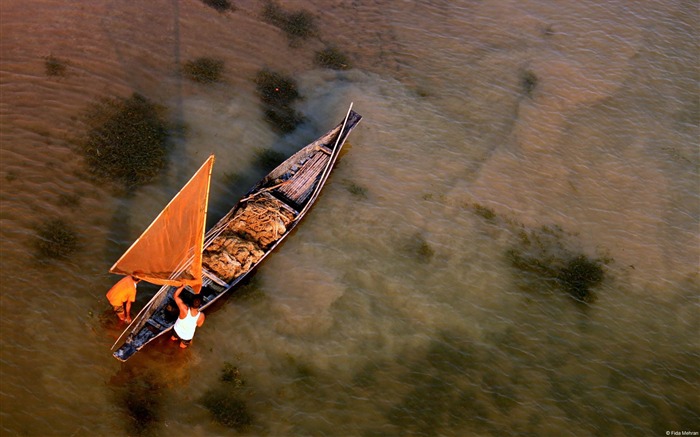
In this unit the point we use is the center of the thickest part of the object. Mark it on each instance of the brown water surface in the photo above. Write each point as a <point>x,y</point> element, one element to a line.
<point>395,308</point>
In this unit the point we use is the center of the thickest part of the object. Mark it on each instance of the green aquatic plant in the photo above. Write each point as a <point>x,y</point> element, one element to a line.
<point>225,402</point>
<point>128,140</point>
<point>219,5</point>
<point>204,69</point>
<point>484,212</point>
<point>297,25</point>
<point>543,257</point>
<point>230,373</point>
<point>54,66</point>
<point>579,276</point>
<point>356,190</point>
<point>332,58</point>
<point>56,239</point>
<point>227,408</point>
<point>277,93</point>
<point>418,247</point>
<point>276,89</point>
<point>529,82</point>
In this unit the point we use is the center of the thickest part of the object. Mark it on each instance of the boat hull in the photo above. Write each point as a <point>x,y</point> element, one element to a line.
<point>237,244</point>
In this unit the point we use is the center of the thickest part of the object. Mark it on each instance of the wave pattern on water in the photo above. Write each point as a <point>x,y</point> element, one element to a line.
<point>396,308</point>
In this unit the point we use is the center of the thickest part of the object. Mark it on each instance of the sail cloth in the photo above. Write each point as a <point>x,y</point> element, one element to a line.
<point>169,252</point>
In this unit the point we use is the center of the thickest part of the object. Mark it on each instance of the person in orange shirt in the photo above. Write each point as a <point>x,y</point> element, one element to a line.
<point>121,296</point>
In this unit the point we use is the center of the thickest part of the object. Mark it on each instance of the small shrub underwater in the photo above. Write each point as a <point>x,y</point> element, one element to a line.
<point>203,70</point>
<point>332,58</point>
<point>127,142</point>
<point>297,25</point>
<point>277,93</point>
<point>225,402</point>
<point>543,257</point>
<point>56,239</point>
<point>54,66</point>
<point>219,5</point>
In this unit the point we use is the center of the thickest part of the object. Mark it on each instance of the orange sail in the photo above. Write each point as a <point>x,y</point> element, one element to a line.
<point>169,252</point>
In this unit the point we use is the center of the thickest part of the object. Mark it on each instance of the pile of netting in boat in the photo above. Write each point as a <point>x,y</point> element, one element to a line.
<point>261,222</point>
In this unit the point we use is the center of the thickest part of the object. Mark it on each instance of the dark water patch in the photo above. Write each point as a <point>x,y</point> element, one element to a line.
<point>275,88</point>
<point>232,178</point>
<point>332,58</point>
<point>298,25</point>
<point>226,402</point>
<point>529,82</point>
<point>250,290</point>
<point>356,190</point>
<point>127,142</point>
<point>544,261</point>
<point>54,66</point>
<point>56,239</point>
<point>71,201</point>
<point>220,5</point>
<point>424,410</point>
<point>267,159</point>
<point>11,176</point>
<point>483,211</point>
<point>300,370</point>
<point>203,70</point>
<point>368,376</point>
<point>139,394</point>
<point>284,119</point>
<point>231,374</point>
<point>418,248</point>
<point>456,387</point>
<point>579,275</point>
<point>278,93</point>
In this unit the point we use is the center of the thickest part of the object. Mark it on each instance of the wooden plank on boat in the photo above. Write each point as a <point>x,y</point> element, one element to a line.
<point>215,279</point>
<point>303,181</point>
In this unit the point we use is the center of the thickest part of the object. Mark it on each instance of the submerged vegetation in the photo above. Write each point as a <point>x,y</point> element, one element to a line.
<point>298,25</point>
<point>219,5</point>
<point>356,190</point>
<point>54,66</point>
<point>417,247</point>
<point>529,82</point>
<point>546,263</point>
<point>579,275</point>
<point>278,93</point>
<point>143,405</point>
<point>127,142</point>
<point>56,239</point>
<point>484,212</point>
<point>203,70</point>
<point>332,58</point>
<point>545,259</point>
<point>226,402</point>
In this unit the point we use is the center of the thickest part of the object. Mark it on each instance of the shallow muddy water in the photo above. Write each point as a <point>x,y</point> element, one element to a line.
<point>491,130</point>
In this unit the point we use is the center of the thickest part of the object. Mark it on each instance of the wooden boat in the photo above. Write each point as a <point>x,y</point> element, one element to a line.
<point>238,243</point>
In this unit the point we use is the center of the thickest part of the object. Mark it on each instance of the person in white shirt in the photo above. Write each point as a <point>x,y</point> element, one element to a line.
<point>189,319</point>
